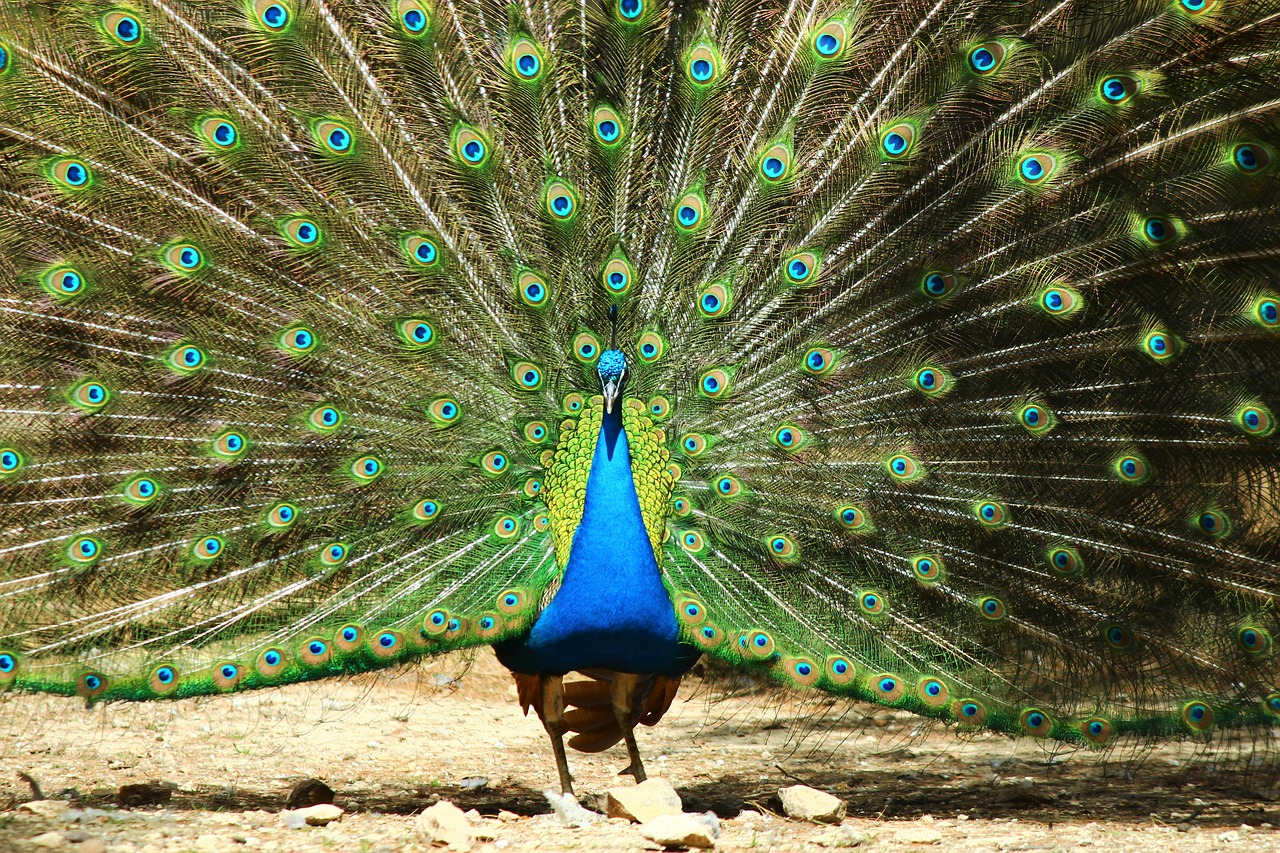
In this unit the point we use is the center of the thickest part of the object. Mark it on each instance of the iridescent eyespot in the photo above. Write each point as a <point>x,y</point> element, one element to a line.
<point>1197,7</point>
<point>714,383</point>
<point>495,462</point>
<point>651,346</point>
<point>852,518</point>
<point>84,550</point>
<point>573,402</point>
<point>608,125</point>
<point>297,340</point>
<point>525,60</point>
<point>728,486</point>
<point>927,568</point>
<point>969,712</point>
<point>163,679</point>
<point>90,685</point>
<point>1119,88</point>
<point>886,687</point>
<point>586,347</point>
<point>512,601</point>
<point>282,516</point>
<point>702,65</point>
<point>421,250</point>
<point>526,375</point>
<point>690,610</point>
<point>183,258</point>
<point>932,380</point>
<point>819,361</point>
<point>388,643</point>
<point>1065,560</point>
<point>1131,469</point>
<point>532,487</point>
<point>1266,311</point>
<point>1035,722</point>
<point>871,603</point>
<point>1059,301</point>
<point>324,419</point>
<point>273,14</point>
<point>561,201</point>
<point>333,554</point>
<point>219,133</point>
<point>1037,168</point>
<point>1036,419</point>
<point>675,472</point>
<point>1255,419</point>
<point>535,432</point>
<point>229,445</point>
<point>140,491</point>
<point>72,174</point>
<point>4,59</point>
<point>933,692</point>
<point>991,608</point>
<point>506,527</point>
<point>692,541</point>
<point>829,41</point>
<point>1097,731</point>
<point>1118,637</point>
<point>802,671</point>
<point>334,136</point>
<point>302,232</point>
<point>425,510</point>
<point>801,268</point>
<point>185,359</point>
<point>690,212</point>
<point>937,284</point>
<point>757,644</point>
<point>1212,523</point>
<point>789,437</point>
<point>903,468</point>
<point>90,396</point>
<point>839,670</point>
<point>123,28</point>
<point>471,147</point>
<point>1250,158</point>
<point>413,17</point>
<point>617,275</point>
<point>659,407</point>
<point>715,300</point>
<point>1271,703</point>
<point>630,10</point>
<point>314,651</point>
<point>682,507</point>
<point>366,469</point>
<point>987,58</point>
<point>1158,230</point>
<point>531,288</point>
<point>775,163</point>
<point>445,411</point>
<point>207,548</point>
<point>11,461</point>
<point>64,282</point>
<point>991,513</point>
<point>782,547</point>
<point>1197,716</point>
<point>1161,346</point>
<point>693,444</point>
<point>898,140</point>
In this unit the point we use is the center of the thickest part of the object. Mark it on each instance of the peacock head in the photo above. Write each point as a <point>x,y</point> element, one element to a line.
<point>612,368</point>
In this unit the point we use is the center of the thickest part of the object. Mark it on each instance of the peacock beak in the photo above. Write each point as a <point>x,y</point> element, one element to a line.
<point>611,389</point>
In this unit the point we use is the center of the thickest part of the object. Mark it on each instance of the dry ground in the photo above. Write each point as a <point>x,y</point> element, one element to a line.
<point>392,745</point>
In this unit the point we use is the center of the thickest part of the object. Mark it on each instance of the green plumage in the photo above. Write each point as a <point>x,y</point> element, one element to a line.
<point>955,322</point>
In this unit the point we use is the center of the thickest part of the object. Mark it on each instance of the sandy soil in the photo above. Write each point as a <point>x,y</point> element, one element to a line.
<point>392,745</point>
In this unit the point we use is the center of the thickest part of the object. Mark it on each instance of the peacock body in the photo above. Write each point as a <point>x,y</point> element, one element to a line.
<point>925,353</point>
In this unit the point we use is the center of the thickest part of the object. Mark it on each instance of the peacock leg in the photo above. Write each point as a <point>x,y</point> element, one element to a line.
<point>552,701</point>
<point>623,693</point>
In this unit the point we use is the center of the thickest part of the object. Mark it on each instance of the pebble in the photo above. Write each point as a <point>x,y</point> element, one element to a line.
<point>48,841</point>
<point>45,808</point>
<point>506,816</point>
<point>919,835</point>
<point>644,802</point>
<point>682,830</point>
<point>844,836</point>
<point>445,825</point>
<point>318,815</point>
<point>804,803</point>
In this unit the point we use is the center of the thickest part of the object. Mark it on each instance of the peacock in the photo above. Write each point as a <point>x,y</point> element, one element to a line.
<point>920,352</point>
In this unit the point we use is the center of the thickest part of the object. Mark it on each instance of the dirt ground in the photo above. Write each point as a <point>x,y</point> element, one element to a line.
<point>391,745</point>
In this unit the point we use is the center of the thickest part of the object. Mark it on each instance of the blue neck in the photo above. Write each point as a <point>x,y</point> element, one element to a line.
<point>611,611</point>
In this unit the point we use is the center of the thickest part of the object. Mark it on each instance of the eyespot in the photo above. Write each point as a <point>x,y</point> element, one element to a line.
<point>937,284</point>
<point>708,636</point>
<point>183,258</point>
<point>715,300</point>
<point>714,384</point>
<point>207,548</point>
<point>141,491</point>
<point>413,17</point>
<point>1059,301</point>
<point>282,516</point>
<point>802,671</point>
<point>535,432</point>
<point>1197,7</point>
<point>470,146</point>
<point>1036,419</point>
<point>681,506</point>
<point>1131,469</point>
<point>437,622</point>
<point>651,346</point>
<point>1097,731</point>
<point>185,359</point>
<point>969,712</point>
<point>349,638</point>
<point>561,201</point>
<point>1160,345</point>
<point>898,140</point>
<point>586,347</point>
<point>334,137</point>
<point>630,10</point>
<point>775,163</point>
<point>512,601</point>
<point>757,644</point>
<point>366,469</point>
<point>789,437</point>
<point>1198,716</point>
<point>1064,560</point>
<point>659,407</point>
<point>928,568</point>
<point>1255,419</point>
<point>690,212</point>
<point>297,340</point>
<point>8,667</point>
<point>886,688</point>
<point>426,510</point>
<point>1250,158</point>
<point>573,402</point>
<point>991,513</point>
<point>526,60</point>
<point>801,269</point>
<point>421,250</point>
<point>445,411</point>
<point>273,14</point>
<point>1035,722</point>
<point>218,133</point>
<point>702,65</point>
<point>526,375</point>
<point>692,541</point>
<point>839,670</point>
<point>1271,703</point>
<point>782,547</point>
<point>1159,231</point>
<point>991,608</point>
<point>819,361</point>
<point>1213,523</point>
<point>1118,637</point>
<point>532,487</point>
<point>4,59</point>
<point>1117,89</point>
<point>386,644</point>
<point>230,444</point>
<point>932,380</point>
<point>1266,312</point>
<point>987,58</point>
<point>333,554</point>
<point>675,472</point>
<point>1037,168</point>
<point>608,125</point>
<point>84,550</point>
<point>11,461</point>
<point>495,462</point>
<point>163,679</point>
<point>871,603</point>
<point>829,41</point>
<point>324,419</point>
<point>90,685</point>
<point>532,288</point>
<point>90,396</point>
<point>728,486</point>
<point>933,692</point>
<point>903,468</point>
<point>618,274</point>
<point>123,28</point>
<point>693,444</point>
<point>64,282</point>
<point>314,652</point>
<point>71,174</point>
<point>690,610</point>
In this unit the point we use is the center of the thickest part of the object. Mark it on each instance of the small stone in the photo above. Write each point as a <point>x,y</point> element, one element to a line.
<point>309,792</point>
<point>804,803</point>
<point>322,814</point>
<point>45,808</point>
<point>919,835</point>
<point>682,830</point>
<point>506,816</point>
<point>844,836</point>
<point>445,825</point>
<point>642,803</point>
<point>48,841</point>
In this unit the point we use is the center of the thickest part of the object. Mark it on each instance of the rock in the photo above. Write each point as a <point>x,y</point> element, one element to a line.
<point>144,794</point>
<point>49,841</point>
<point>804,803</point>
<point>506,816</point>
<point>844,836</point>
<point>682,830</point>
<point>321,814</point>
<point>45,808</point>
<point>309,792</point>
<point>445,825</point>
<point>919,835</point>
<point>642,803</point>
